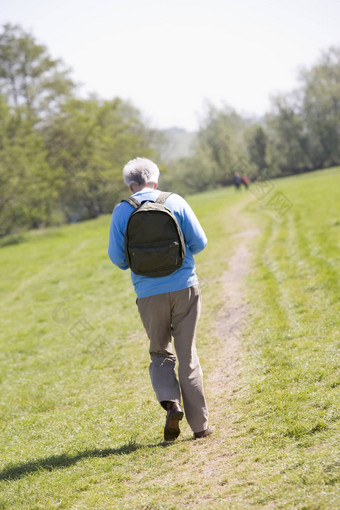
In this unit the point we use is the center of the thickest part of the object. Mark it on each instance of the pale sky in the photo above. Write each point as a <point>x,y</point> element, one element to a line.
<point>168,58</point>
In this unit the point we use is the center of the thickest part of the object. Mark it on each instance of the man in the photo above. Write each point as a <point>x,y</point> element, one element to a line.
<point>169,306</point>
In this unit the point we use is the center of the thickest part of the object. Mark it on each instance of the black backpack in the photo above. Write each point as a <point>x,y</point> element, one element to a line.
<point>154,243</point>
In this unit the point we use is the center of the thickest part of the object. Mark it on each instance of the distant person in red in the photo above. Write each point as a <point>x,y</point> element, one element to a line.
<point>245,181</point>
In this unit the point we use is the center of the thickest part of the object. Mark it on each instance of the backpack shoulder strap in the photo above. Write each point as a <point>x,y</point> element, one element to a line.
<point>162,197</point>
<point>132,201</point>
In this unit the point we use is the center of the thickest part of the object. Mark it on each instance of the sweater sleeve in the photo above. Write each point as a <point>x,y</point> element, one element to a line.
<point>194,235</point>
<point>116,250</point>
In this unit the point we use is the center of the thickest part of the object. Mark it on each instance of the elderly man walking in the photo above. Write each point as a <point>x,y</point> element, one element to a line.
<point>169,305</point>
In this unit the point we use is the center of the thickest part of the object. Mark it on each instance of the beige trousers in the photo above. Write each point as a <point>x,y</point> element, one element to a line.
<point>175,314</point>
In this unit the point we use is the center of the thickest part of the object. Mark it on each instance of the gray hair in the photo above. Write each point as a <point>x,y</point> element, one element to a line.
<point>140,171</point>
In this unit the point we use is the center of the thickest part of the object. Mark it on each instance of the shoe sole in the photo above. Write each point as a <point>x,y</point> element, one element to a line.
<point>206,433</point>
<point>171,430</point>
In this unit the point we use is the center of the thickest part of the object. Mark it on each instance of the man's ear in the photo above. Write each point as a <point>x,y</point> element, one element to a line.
<point>156,185</point>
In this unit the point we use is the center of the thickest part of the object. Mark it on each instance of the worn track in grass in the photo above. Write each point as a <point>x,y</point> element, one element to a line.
<point>211,455</point>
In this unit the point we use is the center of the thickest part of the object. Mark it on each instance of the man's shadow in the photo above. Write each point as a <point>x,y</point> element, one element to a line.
<point>17,471</point>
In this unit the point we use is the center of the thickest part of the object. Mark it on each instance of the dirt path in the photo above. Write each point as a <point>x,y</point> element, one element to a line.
<point>231,317</point>
<point>211,455</point>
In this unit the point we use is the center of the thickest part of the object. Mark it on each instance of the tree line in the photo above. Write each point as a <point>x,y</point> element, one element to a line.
<point>61,156</point>
<point>300,133</point>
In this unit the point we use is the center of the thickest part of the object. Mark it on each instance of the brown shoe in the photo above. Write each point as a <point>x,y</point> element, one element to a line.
<point>173,417</point>
<point>204,433</point>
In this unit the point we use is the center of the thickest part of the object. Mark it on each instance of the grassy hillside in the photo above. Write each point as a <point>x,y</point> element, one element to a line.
<point>80,427</point>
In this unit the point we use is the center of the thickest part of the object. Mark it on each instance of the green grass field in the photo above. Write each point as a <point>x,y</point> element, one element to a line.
<point>80,427</point>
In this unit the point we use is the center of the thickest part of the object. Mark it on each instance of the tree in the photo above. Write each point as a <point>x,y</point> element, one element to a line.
<point>222,137</point>
<point>29,77</point>
<point>60,157</point>
<point>89,143</point>
<point>304,126</point>
<point>220,152</point>
<point>28,187</point>
<point>321,108</point>
<point>256,140</point>
<point>288,150</point>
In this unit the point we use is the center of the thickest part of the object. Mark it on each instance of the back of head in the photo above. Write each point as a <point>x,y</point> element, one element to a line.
<point>140,171</point>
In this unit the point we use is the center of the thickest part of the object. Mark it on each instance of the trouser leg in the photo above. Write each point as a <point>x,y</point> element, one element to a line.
<point>176,313</point>
<point>155,312</point>
<point>186,307</point>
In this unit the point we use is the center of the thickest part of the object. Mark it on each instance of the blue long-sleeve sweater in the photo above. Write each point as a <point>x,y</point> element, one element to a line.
<point>194,237</point>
